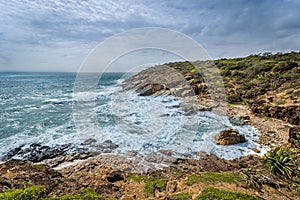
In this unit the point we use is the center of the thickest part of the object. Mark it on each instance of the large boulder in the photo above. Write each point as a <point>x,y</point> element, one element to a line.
<point>229,136</point>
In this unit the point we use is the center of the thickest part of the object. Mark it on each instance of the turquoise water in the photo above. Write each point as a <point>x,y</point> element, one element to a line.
<point>38,107</point>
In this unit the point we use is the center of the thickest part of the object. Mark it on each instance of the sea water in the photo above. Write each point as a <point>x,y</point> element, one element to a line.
<point>39,108</point>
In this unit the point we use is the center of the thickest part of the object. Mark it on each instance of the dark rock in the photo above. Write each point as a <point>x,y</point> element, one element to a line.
<point>108,190</point>
<point>294,135</point>
<point>115,176</point>
<point>188,77</point>
<point>229,137</point>
<point>37,152</point>
<point>196,89</point>
<point>106,147</point>
<point>12,153</point>
<point>5,184</point>
<point>89,141</point>
<point>287,113</point>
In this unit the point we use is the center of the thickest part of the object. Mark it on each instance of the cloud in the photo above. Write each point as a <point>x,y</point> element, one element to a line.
<point>224,28</point>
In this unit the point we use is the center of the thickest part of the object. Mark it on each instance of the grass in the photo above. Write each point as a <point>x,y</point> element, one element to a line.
<point>212,177</point>
<point>181,196</point>
<point>137,178</point>
<point>37,166</point>
<point>32,193</point>
<point>153,185</point>
<point>211,193</point>
<point>38,193</point>
<point>87,194</point>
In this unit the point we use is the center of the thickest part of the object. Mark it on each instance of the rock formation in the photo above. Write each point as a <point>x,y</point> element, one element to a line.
<point>229,137</point>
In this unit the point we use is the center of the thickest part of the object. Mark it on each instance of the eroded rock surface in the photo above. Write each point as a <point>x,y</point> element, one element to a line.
<point>229,137</point>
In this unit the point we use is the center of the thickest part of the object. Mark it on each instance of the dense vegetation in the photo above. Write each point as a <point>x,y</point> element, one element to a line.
<point>249,77</point>
<point>268,83</point>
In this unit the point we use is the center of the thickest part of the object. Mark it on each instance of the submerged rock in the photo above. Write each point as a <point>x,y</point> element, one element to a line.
<point>229,137</point>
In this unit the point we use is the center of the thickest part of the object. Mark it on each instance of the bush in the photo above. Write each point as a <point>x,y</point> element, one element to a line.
<point>280,162</point>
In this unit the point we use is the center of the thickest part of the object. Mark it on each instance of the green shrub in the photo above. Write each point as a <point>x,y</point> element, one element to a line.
<point>212,193</point>
<point>32,193</point>
<point>280,162</point>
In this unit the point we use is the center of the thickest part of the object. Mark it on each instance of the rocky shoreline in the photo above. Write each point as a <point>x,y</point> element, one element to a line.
<point>67,169</point>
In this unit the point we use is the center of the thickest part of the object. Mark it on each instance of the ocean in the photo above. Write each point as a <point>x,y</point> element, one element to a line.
<point>39,108</point>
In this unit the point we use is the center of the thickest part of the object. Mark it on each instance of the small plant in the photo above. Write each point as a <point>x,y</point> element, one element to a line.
<point>37,166</point>
<point>211,193</point>
<point>280,162</point>
<point>153,185</point>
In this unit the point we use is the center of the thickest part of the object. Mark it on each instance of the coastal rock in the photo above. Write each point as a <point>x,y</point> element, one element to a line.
<point>229,137</point>
<point>239,120</point>
<point>54,162</point>
<point>37,152</point>
<point>89,141</point>
<point>151,88</point>
<point>105,147</point>
<point>161,80</point>
<point>14,173</point>
<point>287,113</point>
<point>115,176</point>
<point>294,135</point>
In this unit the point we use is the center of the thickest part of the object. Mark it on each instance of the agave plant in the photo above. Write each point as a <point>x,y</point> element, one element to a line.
<point>280,162</point>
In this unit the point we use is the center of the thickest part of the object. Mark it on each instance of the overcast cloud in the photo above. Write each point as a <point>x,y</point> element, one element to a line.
<point>56,35</point>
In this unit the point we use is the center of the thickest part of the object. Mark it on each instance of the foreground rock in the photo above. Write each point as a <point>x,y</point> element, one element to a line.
<point>229,137</point>
<point>17,174</point>
<point>107,176</point>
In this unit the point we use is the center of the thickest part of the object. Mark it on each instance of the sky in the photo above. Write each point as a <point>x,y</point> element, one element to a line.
<point>58,35</point>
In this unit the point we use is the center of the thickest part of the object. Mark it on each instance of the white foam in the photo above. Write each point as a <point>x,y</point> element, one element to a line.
<point>145,124</point>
